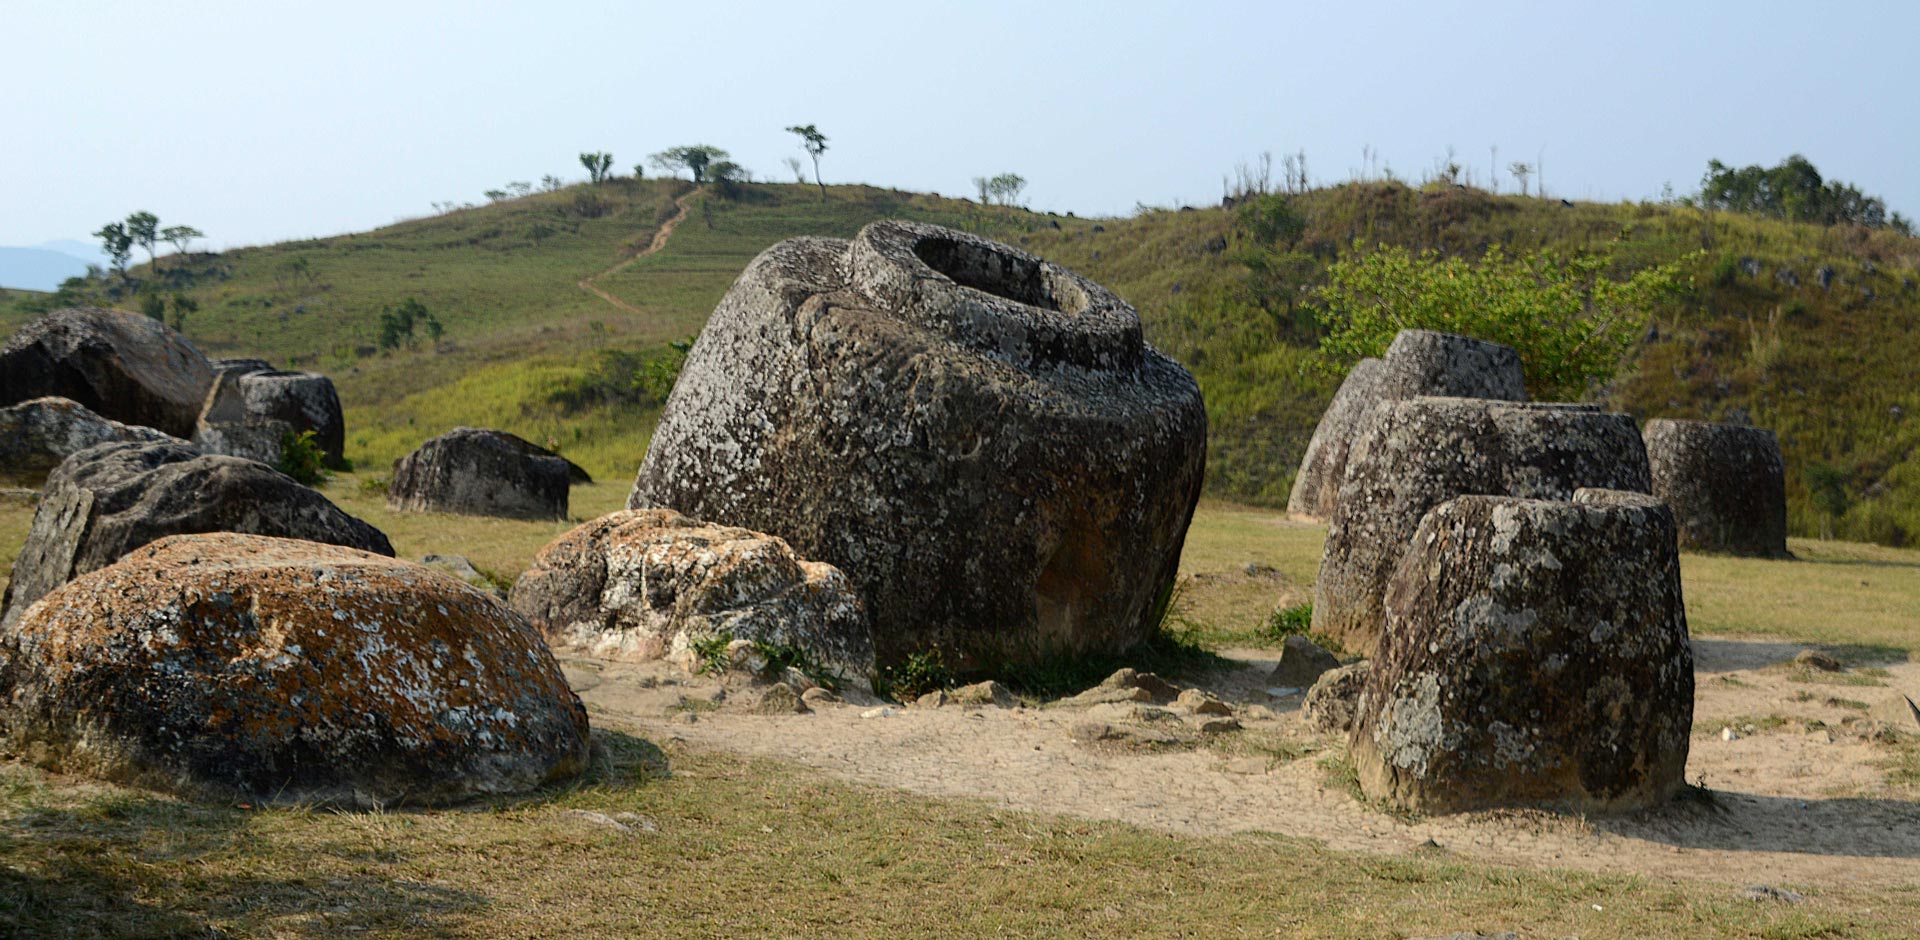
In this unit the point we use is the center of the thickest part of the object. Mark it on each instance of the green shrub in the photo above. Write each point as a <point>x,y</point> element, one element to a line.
<point>1289,621</point>
<point>301,458</point>
<point>922,672</point>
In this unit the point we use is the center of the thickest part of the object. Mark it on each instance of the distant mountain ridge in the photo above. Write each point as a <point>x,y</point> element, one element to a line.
<point>40,269</point>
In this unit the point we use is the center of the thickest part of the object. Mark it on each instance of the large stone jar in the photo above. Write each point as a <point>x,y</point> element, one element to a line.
<point>980,439</point>
<point>1727,485</point>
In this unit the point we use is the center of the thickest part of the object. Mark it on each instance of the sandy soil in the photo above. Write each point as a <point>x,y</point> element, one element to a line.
<point>1792,801</point>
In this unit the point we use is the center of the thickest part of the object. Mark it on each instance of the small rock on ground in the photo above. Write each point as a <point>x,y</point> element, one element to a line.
<point>1771,893</point>
<point>1818,659</point>
<point>1200,703</point>
<point>778,699</point>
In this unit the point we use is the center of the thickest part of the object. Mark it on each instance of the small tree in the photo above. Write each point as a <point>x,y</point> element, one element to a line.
<point>815,144</point>
<point>116,244</point>
<point>1571,325</point>
<point>695,157</point>
<point>599,165</point>
<point>154,305</point>
<point>1007,187</point>
<point>727,176</point>
<point>1520,171</point>
<point>144,229</point>
<point>180,236</point>
<point>797,168</point>
<point>984,187</point>
<point>398,323</point>
<point>182,306</point>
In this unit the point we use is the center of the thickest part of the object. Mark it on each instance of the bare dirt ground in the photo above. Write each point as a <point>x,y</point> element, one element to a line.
<point>1797,795</point>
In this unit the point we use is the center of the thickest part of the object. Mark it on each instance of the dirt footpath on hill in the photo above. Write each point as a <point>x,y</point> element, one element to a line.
<point>1798,791</point>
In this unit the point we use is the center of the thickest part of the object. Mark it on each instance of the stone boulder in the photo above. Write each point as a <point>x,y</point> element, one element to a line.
<point>1329,704</point>
<point>1727,485</point>
<point>1419,362</point>
<point>110,499</point>
<point>1418,453</point>
<point>125,366</point>
<point>649,584</point>
<point>240,365</point>
<point>980,439</point>
<point>1536,654</point>
<point>36,435</point>
<point>478,472</point>
<point>227,428</point>
<point>239,667</point>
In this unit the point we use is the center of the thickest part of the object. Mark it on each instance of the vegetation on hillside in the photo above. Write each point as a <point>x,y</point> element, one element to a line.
<point>1796,326</point>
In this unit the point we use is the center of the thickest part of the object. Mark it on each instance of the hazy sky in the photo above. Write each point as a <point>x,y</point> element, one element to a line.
<point>263,120</point>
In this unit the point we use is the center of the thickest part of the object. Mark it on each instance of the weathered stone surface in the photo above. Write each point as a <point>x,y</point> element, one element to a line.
<point>1419,362</point>
<point>650,584</point>
<point>36,435</point>
<point>1536,653</point>
<point>1330,702</point>
<point>274,670</point>
<point>240,364</point>
<point>1316,486</point>
<point>1727,485</point>
<point>125,366</point>
<point>110,499</point>
<point>226,426</point>
<point>1419,453</point>
<point>305,401</point>
<point>1301,664</point>
<point>478,472</point>
<point>980,439</point>
<point>983,694</point>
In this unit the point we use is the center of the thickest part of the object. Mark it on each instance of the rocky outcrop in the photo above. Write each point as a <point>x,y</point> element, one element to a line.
<point>36,435</point>
<point>110,499</point>
<point>1727,485</point>
<point>1416,454</point>
<point>265,670</point>
<point>653,583</point>
<point>131,368</point>
<point>980,439</point>
<point>1419,362</point>
<point>1536,653</point>
<point>478,472</point>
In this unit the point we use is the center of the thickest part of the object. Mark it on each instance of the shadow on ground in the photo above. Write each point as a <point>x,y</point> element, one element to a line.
<point>1746,822</point>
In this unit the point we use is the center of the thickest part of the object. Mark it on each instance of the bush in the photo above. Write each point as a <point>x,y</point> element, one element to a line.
<point>301,458</point>
<point>923,672</point>
<point>1571,325</point>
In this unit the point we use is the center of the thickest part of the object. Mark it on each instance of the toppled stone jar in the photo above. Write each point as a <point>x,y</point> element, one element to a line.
<point>980,439</point>
<point>1727,485</point>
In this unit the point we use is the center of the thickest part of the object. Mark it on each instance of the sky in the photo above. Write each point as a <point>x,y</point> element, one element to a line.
<point>263,121</point>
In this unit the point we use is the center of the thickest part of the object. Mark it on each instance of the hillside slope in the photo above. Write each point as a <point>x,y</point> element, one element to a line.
<point>1795,327</point>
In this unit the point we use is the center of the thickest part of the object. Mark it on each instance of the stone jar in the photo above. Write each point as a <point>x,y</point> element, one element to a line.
<point>979,439</point>
<point>1727,485</point>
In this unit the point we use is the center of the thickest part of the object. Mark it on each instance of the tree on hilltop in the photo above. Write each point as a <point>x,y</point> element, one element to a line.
<point>180,236</point>
<point>1793,190</point>
<point>116,244</point>
<point>815,144</point>
<point>695,157</point>
<point>144,227</point>
<point>599,165</point>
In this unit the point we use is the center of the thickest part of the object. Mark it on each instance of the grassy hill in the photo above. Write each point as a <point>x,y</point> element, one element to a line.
<point>1797,327</point>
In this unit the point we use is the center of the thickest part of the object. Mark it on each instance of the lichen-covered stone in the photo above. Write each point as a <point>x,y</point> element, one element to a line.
<point>1536,653</point>
<point>36,435</point>
<point>980,439</point>
<point>1727,485</point>
<point>226,426</point>
<point>125,366</point>
<point>649,584</point>
<point>110,499</point>
<point>272,670</point>
<point>1419,362</point>
<point>477,472</point>
<point>1418,453</point>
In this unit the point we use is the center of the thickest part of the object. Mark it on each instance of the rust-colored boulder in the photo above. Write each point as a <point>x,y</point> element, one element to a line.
<point>480,472</point>
<point>1727,485</point>
<point>125,366</point>
<point>1536,654</point>
<point>1418,453</point>
<point>1419,362</point>
<point>271,670</point>
<point>110,499</point>
<point>648,584</point>
<point>36,435</point>
<point>980,439</point>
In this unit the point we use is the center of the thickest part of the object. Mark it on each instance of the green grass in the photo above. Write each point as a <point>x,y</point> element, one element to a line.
<point>752,848</point>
